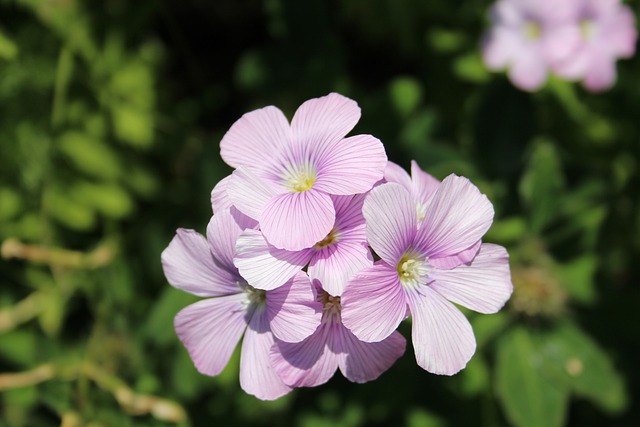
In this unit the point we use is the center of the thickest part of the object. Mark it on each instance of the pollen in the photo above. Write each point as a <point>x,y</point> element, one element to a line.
<point>413,270</point>
<point>531,30</point>
<point>331,238</point>
<point>587,29</point>
<point>300,178</point>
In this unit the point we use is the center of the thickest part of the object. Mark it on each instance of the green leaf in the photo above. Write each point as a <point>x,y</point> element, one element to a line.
<point>542,184</point>
<point>577,278</point>
<point>572,358</point>
<point>405,94</point>
<point>470,68</point>
<point>90,155</point>
<point>528,398</point>
<point>506,230</point>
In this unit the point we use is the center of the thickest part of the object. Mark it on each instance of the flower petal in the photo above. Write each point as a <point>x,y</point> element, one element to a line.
<point>365,361</point>
<point>264,266</point>
<point>396,173</point>
<point>423,184</point>
<point>334,265</point>
<point>292,309</point>
<point>258,132</point>
<point>308,363</point>
<point>442,337</point>
<point>257,377</point>
<point>189,265</point>
<point>250,193</point>
<point>449,262</point>
<point>528,70</point>
<point>351,166</point>
<point>219,199</point>
<point>390,216</point>
<point>222,233</point>
<point>374,303</point>
<point>457,217</point>
<point>483,286</point>
<point>319,122</point>
<point>210,330</point>
<point>296,221</point>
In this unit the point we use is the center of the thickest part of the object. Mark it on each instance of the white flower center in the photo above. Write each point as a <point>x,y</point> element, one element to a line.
<point>413,270</point>
<point>330,307</point>
<point>254,296</point>
<point>300,178</point>
<point>587,29</point>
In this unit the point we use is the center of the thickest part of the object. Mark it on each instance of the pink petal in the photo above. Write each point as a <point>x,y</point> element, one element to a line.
<point>374,303</point>
<point>250,193</point>
<point>320,122</point>
<point>189,265</point>
<point>483,286</point>
<point>222,233</point>
<point>528,70</point>
<point>457,217</point>
<point>601,75</point>
<point>363,361</point>
<point>423,184</point>
<point>442,337</point>
<point>352,165</point>
<point>449,262</point>
<point>499,47</point>
<point>258,132</point>
<point>308,363</point>
<point>395,173</point>
<point>264,266</point>
<point>560,42</point>
<point>391,221</point>
<point>296,221</point>
<point>292,309</point>
<point>257,377</point>
<point>219,199</point>
<point>349,218</point>
<point>210,330</point>
<point>334,265</point>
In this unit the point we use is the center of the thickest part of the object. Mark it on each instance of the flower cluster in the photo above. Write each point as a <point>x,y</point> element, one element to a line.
<point>287,264</point>
<point>575,39</point>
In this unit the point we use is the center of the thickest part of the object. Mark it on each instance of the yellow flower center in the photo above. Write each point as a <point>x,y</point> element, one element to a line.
<point>331,238</point>
<point>300,178</point>
<point>532,30</point>
<point>330,307</point>
<point>587,29</point>
<point>413,270</point>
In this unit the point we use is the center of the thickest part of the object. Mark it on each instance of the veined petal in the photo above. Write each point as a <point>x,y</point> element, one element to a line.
<point>319,122</point>
<point>219,199</point>
<point>449,262</point>
<point>189,265</point>
<point>308,363</point>
<point>250,193</point>
<point>258,132</point>
<point>374,303</point>
<point>292,309</point>
<point>457,217</point>
<point>264,266</point>
<point>365,361</point>
<point>352,165</point>
<point>210,330</point>
<point>423,184</point>
<point>390,216</point>
<point>483,286</point>
<point>334,265</point>
<point>222,233</point>
<point>257,377</point>
<point>396,173</point>
<point>442,337</point>
<point>296,221</point>
<point>349,214</point>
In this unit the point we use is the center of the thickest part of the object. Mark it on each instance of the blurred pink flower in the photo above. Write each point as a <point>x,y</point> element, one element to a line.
<point>528,37</point>
<point>286,173</point>
<point>211,328</point>
<point>608,32</point>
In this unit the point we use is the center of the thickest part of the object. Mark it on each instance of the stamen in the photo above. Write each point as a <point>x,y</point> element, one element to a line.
<point>331,238</point>
<point>254,296</point>
<point>330,307</point>
<point>413,270</point>
<point>300,178</point>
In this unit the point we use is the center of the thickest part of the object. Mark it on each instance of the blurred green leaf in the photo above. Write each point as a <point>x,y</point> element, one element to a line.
<point>573,359</point>
<point>446,41</point>
<point>527,397</point>
<point>542,184</point>
<point>577,278</point>
<point>506,230</point>
<point>53,311</point>
<point>90,155</point>
<point>405,94</point>
<point>8,49</point>
<point>108,199</point>
<point>66,211</point>
<point>470,68</point>
<point>10,203</point>
<point>422,418</point>
<point>19,347</point>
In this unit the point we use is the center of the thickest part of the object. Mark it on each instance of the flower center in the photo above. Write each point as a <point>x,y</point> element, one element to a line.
<point>330,307</point>
<point>531,30</point>
<point>331,238</point>
<point>301,178</point>
<point>413,270</point>
<point>254,296</point>
<point>587,29</point>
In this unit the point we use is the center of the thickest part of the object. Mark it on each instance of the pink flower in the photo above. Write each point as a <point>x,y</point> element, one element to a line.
<point>286,174</point>
<point>314,361</point>
<point>608,32</point>
<point>420,184</point>
<point>424,268</point>
<point>528,37</point>
<point>211,329</point>
<point>333,260</point>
